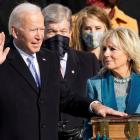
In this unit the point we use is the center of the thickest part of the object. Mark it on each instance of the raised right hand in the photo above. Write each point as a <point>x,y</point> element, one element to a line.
<point>3,52</point>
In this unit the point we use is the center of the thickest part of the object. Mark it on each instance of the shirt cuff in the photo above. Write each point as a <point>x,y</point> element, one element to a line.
<point>93,102</point>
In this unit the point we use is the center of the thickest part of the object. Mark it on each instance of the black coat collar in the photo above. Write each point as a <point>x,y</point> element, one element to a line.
<point>17,62</point>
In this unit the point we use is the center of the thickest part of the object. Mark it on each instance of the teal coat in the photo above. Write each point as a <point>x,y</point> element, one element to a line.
<point>102,88</point>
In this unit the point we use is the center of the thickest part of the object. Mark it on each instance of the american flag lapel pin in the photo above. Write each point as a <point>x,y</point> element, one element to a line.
<point>72,71</point>
<point>44,59</point>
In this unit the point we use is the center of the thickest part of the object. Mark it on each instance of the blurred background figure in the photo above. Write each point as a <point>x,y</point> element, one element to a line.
<point>89,28</point>
<point>117,84</point>
<point>76,66</point>
<point>117,16</point>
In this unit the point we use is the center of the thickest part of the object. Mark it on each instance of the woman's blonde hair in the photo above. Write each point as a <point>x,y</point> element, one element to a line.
<point>78,20</point>
<point>128,41</point>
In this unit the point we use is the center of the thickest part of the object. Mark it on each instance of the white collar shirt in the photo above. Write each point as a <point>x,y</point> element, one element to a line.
<point>25,56</point>
<point>63,63</point>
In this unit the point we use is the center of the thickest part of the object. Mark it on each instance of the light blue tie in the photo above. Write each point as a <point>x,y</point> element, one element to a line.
<point>32,68</point>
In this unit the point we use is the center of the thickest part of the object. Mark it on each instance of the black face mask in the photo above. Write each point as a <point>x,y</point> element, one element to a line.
<point>57,43</point>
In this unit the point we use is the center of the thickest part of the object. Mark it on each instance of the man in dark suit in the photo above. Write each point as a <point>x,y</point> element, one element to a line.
<point>76,66</point>
<point>30,92</point>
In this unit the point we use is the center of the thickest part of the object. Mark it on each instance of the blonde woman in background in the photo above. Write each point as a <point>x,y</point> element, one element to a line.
<point>90,25</point>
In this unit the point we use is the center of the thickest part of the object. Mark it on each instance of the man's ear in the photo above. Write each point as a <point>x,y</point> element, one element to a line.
<point>14,32</point>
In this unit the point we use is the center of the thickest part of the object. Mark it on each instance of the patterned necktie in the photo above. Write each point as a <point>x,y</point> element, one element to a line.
<point>32,68</point>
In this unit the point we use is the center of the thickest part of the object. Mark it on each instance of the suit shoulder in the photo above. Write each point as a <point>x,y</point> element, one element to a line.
<point>95,78</point>
<point>46,52</point>
<point>84,54</point>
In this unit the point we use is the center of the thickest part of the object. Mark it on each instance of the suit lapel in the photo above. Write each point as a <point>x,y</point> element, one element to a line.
<point>133,98</point>
<point>108,93</point>
<point>43,67</point>
<point>72,68</point>
<point>20,66</point>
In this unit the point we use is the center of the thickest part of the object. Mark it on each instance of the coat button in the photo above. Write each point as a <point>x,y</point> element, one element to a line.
<point>43,125</point>
<point>41,101</point>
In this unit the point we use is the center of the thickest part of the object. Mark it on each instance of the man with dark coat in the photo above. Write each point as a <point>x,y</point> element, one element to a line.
<point>31,90</point>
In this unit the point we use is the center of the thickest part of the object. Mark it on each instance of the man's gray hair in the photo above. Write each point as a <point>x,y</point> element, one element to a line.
<point>19,12</point>
<point>56,13</point>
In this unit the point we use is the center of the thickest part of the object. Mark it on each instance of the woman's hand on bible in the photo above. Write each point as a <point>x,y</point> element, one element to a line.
<point>103,110</point>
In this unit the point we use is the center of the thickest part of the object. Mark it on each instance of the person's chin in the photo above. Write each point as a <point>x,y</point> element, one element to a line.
<point>37,50</point>
<point>108,67</point>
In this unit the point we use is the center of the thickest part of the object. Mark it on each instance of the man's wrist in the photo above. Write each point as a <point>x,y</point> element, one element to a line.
<point>92,104</point>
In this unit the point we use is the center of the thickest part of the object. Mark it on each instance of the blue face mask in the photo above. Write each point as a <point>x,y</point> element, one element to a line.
<point>92,39</point>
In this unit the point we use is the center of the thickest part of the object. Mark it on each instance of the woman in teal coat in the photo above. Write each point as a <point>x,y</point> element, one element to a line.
<point>118,84</point>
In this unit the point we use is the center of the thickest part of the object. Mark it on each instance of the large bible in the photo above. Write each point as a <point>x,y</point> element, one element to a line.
<point>116,128</point>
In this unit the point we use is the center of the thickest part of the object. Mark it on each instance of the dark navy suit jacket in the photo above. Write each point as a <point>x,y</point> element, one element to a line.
<point>25,112</point>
